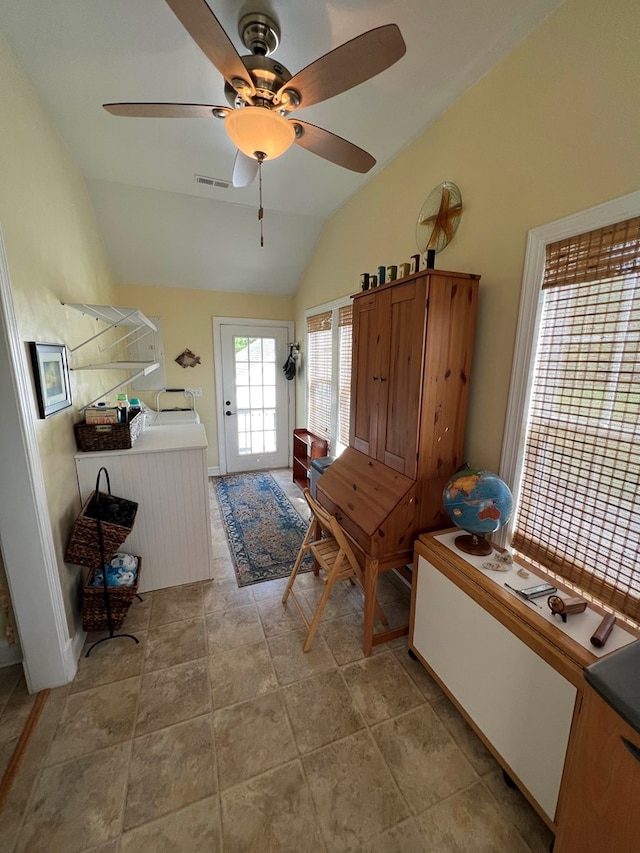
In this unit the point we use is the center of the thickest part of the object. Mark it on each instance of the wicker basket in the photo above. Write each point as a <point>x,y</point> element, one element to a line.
<point>117,516</point>
<point>94,606</point>
<point>97,437</point>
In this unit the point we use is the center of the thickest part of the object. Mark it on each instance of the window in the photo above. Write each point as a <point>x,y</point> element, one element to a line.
<point>577,509</point>
<point>328,366</point>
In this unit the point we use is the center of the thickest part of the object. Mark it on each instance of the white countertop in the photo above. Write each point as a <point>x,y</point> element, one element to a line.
<point>579,626</point>
<point>160,439</point>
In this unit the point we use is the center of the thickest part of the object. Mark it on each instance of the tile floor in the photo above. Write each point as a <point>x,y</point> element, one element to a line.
<point>216,733</point>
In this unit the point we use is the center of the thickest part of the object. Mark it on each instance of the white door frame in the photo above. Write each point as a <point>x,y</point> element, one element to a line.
<point>50,655</point>
<point>217,360</point>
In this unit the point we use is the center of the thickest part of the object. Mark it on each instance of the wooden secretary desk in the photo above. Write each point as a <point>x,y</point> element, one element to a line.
<point>412,351</point>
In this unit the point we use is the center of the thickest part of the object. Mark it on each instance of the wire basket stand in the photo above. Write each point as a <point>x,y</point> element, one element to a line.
<point>105,585</point>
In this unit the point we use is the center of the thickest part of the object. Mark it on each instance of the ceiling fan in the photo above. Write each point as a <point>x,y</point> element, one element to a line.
<point>261,92</point>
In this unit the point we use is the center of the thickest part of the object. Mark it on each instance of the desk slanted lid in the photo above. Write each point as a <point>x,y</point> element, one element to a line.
<point>365,489</point>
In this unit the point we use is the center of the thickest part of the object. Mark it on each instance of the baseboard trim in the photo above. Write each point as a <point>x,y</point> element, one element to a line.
<point>214,472</point>
<point>21,745</point>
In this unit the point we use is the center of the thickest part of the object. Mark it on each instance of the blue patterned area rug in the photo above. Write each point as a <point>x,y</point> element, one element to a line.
<point>263,527</point>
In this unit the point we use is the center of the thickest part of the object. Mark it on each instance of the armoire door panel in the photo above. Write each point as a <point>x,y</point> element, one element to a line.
<point>399,423</point>
<point>447,368</point>
<point>371,346</point>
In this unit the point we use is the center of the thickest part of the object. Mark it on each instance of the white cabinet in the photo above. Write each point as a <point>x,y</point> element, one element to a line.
<point>166,473</point>
<point>521,705</point>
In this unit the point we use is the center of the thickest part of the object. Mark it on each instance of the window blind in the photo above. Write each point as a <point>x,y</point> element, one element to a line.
<point>345,324</point>
<point>319,359</point>
<point>578,510</point>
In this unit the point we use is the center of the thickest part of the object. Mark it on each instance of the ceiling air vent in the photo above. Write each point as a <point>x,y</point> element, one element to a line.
<point>212,182</point>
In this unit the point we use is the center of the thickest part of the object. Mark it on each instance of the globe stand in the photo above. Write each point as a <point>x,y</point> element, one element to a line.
<point>475,544</point>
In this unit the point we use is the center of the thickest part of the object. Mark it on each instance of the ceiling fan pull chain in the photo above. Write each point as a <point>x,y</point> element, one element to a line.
<point>260,209</point>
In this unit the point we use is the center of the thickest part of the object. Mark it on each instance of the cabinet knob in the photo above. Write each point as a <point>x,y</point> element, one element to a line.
<point>374,378</point>
<point>383,379</point>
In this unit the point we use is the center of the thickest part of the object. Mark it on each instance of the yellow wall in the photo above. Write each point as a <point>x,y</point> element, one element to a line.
<point>553,129</point>
<point>187,324</point>
<point>54,254</point>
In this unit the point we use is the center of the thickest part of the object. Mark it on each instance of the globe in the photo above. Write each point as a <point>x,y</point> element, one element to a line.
<point>479,502</point>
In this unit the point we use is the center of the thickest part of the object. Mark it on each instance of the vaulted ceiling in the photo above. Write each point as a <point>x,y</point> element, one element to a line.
<point>162,228</point>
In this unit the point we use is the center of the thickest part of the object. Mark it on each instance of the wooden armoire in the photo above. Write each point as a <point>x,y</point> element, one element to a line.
<point>412,351</point>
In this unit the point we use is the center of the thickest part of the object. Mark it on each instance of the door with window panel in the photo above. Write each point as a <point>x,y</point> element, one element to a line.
<point>255,397</point>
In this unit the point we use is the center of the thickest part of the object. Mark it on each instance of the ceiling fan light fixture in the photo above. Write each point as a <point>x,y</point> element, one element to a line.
<point>258,129</point>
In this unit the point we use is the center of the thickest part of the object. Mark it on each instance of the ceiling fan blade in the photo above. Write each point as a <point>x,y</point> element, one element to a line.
<point>333,148</point>
<point>348,65</point>
<point>244,170</point>
<point>207,32</point>
<point>165,110</point>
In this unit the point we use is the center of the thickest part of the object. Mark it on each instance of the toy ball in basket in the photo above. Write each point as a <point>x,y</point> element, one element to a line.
<point>123,575</point>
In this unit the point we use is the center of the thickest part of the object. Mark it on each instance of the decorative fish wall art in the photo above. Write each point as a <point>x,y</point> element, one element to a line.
<point>188,359</point>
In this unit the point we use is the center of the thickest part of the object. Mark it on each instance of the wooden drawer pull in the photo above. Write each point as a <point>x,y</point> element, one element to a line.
<point>633,749</point>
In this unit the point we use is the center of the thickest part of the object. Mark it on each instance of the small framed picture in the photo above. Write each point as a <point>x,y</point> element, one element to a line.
<point>51,375</point>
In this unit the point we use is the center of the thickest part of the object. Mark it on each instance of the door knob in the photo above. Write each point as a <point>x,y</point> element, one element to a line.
<point>227,413</point>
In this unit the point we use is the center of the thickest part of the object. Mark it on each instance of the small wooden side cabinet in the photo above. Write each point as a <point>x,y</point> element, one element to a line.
<point>306,446</point>
<point>602,807</point>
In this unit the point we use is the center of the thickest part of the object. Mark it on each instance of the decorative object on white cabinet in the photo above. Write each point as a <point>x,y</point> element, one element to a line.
<point>131,319</point>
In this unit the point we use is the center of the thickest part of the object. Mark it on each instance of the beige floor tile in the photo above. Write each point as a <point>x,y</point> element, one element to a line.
<point>321,710</point>
<point>426,763</point>
<point>95,719</point>
<point>268,589</point>
<point>392,588</point>
<point>344,637</point>
<point>271,814</point>
<point>232,628</point>
<point>266,740</point>
<point>176,603</point>
<point>355,797</point>
<point>109,847</point>
<point>112,661</point>
<point>9,678</point>
<point>223,594</point>
<point>339,603</point>
<point>176,642</point>
<point>194,829</point>
<point>138,615</point>
<point>238,675</point>
<point>427,685</point>
<point>381,687</point>
<point>403,838</point>
<point>174,694</point>
<point>514,806</point>
<point>27,775</point>
<point>6,751</point>
<point>170,769</point>
<point>397,612</point>
<point>292,664</point>
<point>223,570</point>
<point>470,820</point>
<point>278,618</point>
<point>479,756</point>
<point>77,804</point>
<point>16,711</point>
